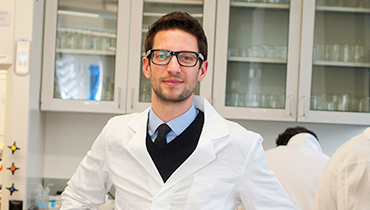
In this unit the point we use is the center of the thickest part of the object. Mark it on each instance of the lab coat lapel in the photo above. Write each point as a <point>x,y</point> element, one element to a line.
<point>202,156</point>
<point>214,127</point>
<point>137,145</point>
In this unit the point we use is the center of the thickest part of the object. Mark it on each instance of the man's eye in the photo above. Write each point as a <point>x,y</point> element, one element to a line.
<point>162,56</point>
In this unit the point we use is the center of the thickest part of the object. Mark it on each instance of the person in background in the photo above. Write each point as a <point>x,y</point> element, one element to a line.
<point>298,162</point>
<point>345,183</point>
<point>179,153</point>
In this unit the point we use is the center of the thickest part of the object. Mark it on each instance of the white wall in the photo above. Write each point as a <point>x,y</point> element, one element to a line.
<point>70,135</point>
<point>23,120</point>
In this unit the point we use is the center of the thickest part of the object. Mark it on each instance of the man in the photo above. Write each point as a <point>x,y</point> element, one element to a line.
<point>345,183</point>
<point>179,153</point>
<point>298,162</point>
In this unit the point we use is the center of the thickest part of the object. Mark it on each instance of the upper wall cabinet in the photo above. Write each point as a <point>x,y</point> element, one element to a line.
<point>85,55</point>
<point>334,71</point>
<point>256,59</point>
<point>146,12</point>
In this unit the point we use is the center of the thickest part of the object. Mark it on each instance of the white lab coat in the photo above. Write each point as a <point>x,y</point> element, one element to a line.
<point>345,183</point>
<point>299,166</point>
<point>228,168</point>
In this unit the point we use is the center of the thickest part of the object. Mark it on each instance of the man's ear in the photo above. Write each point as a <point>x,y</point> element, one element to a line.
<point>203,70</point>
<point>146,67</point>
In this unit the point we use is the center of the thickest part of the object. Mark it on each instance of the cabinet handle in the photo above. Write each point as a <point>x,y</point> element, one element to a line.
<point>304,106</point>
<point>291,105</point>
<point>119,97</point>
<point>132,97</point>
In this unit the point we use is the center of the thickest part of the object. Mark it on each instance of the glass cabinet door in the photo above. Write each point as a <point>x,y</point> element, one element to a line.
<point>83,48</point>
<point>339,68</point>
<point>145,13</point>
<point>256,66</point>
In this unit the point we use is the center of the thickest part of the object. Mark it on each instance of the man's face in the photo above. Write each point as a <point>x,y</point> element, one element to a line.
<point>172,82</point>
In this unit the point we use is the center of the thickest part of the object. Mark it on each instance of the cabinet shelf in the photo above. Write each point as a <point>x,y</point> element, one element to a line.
<point>257,60</point>
<point>343,9</point>
<point>151,14</point>
<point>112,16</point>
<point>88,52</point>
<point>175,2</point>
<point>259,5</point>
<point>342,64</point>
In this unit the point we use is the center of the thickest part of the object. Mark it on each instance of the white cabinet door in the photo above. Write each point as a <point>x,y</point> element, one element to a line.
<point>146,12</point>
<point>2,102</point>
<point>334,71</point>
<point>256,59</point>
<point>85,55</point>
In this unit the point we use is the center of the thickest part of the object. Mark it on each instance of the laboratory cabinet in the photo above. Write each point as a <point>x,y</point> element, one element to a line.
<point>257,59</point>
<point>278,60</point>
<point>293,60</point>
<point>335,56</point>
<point>93,52</point>
<point>85,55</point>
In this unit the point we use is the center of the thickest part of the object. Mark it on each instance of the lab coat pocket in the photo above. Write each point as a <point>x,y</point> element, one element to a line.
<point>208,193</point>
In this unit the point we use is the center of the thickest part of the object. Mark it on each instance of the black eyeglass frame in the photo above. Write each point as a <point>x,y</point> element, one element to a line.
<point>149,55</point>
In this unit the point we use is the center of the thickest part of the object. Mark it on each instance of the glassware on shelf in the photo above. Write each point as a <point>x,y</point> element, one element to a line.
<point>93,41</point>
<point>108,90</point>
<point>340,102</point>
<point>255,100</point>
<point>264,1</point>
<point>344,3</point>
<point>233,52</point>
<point>342,53</point>
<point>105,42</point>
<point>260,51</point>
<point>145,93</point>
<point>113,41</point>
<point>63,38</point>
<point>86,40</point>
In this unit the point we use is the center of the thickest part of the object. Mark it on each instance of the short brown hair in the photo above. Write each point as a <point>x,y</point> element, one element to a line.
<point>284,138</point>
<point>182,21</point>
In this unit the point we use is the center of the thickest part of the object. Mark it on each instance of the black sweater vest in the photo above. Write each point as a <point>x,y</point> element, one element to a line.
<point>170,157</point>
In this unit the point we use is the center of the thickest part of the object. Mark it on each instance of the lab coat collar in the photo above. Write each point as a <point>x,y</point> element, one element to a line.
<point>214,127</point>
<point>137,145</point>
<point>367,132</point>
<point>305,139</point>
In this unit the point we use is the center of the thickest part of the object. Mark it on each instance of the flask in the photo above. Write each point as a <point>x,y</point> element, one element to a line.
<point>41,201</point>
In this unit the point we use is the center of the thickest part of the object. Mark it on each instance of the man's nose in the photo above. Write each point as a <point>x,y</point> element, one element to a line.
<point>173,66</point>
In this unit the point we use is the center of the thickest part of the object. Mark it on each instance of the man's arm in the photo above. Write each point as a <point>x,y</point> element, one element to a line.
<point>260,189</point>
<point>88,186</point>
<point>353,185</point>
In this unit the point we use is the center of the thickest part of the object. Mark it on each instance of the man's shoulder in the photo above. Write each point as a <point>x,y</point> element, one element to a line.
<point>122,118</point>
<point>120,121</point>
<point>355,149</point>
<point>241,134</point>
<point>236,127</point>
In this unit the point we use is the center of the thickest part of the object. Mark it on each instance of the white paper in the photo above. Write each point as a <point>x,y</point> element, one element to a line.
<point>4,18</point>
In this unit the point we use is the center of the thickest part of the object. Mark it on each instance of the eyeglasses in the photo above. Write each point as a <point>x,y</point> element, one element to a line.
<point>184,58</point>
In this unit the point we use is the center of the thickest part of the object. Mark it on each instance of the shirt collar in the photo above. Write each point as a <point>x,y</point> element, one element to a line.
<point>305,139</point>
<point>177,125</point>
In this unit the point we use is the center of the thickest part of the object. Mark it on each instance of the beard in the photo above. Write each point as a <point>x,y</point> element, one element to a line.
<point>170,96</point>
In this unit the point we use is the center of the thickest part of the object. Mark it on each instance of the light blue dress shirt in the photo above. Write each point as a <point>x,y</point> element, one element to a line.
<point>177,125</point>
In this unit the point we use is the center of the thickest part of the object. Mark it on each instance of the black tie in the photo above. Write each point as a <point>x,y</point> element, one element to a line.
<point>163,130</point>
